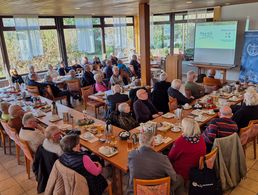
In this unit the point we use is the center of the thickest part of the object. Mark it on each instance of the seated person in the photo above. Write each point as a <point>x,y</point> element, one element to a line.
<point>84,62</point>
<point>96,60</point>
<point>115,98</point>
<point>31,131</point>
<point>114,59</point>
<point>187,149</point>
<point>210,79</point>
<point>143,108</point>
<point>16,77</point>
<point>145,163</point>
<point>16,114</point>
<point>4,106</point>
<point>52,72</point>
<point>32,71</point>
<point>160,93</point>
<point>81,162</point>
<point>120,65</point>
<point>136,65</point>
<point>116,78</point>
<point>33,82</point>
<point>56,91</point>
<point>52,139</point>
<point>108,70</point>
<point>249,109</point>
<point>72,75</point>
<point>125,119</point>
<point>96,70</point>
<point>174,92</point>
<point>87,77</point>
<point>132,93</point>
<point>75,66</point>
<point>63,69</point>
<point>219,127</point>
<point>197,91</point>
<point>100,86</point>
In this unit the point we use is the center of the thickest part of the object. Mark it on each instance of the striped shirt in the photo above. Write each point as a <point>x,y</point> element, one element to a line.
<point>219,127</point>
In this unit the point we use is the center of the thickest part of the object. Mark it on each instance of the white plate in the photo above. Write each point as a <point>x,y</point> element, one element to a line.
<point>200,119</point>
<point>165,126</point>
<point>54,119</point>
<point>197,112</point>
<point>109,155</point>
<point>187,108</point>
<point>176,129</point>
<point>168,115</point>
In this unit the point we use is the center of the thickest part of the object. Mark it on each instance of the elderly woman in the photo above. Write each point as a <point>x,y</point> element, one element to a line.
<point>100,86</point>
<point>82,164</point>
<point>174,92</point>
<point>52,72</point>
<point>15,76</point>
<point>116,78</point>
<point>143,108</point>
<point>31,131</point>
<point>249,110</point>
<point>160,93</point>
<point>145,163</point>
<point>187,149</point>
<point>4,106</point>
<point>52,140</point>
<point>125,119</point>
<point>16,113</point>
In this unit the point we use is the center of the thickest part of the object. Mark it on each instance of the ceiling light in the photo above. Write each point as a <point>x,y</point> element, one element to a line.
<point>189,2</point>
<point>77,8</point>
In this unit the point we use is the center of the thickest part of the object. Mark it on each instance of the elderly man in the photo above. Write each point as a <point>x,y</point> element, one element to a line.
<point>16,113</point>
<point>116,98</point>
<point>197,91</point>
<point>174,92</point>
<point>143,108</point>
<point>33,82</point>
<point>31,131</point>
<point>132,92</point>
<point>145,163</point>
<point>220,127</point>
<point>125,119</point>
<point>72,76</point>
<point>116,78</point>
<point>160,93</point>
<point>108,70</point>
<point>88,77</point>
<point>210,80</point>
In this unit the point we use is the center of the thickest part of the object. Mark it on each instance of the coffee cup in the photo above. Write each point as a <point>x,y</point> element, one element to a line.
<point>158,139</point>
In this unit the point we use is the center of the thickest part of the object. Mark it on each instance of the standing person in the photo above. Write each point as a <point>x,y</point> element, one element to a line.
<point>197,91</point>
<point>108,70</point>
<point>136,66</point>
<point>145,163</point>
<point>187,149</point>
<point>160,93</point>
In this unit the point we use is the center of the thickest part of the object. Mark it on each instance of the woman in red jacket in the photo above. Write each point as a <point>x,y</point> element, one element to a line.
<point>187,149</point>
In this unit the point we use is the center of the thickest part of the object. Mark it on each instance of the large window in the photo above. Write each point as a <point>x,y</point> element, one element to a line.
<point>50,47</point>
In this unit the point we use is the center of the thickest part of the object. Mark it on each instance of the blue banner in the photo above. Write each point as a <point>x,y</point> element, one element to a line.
<point>249,61</point>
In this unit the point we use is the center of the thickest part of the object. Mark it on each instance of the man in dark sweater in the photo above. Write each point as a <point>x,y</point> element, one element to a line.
<point>88,77</point>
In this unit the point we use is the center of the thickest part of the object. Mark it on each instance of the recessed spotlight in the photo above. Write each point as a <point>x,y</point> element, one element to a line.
<point>77,8</point>
<point>189,2</point>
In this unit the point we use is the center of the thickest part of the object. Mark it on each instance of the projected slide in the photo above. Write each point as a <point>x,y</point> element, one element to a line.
<point>215,42</point>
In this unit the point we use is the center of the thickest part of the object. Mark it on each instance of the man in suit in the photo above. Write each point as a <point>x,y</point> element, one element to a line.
<point>117,97</point>
<point>174,92</point>
<point>145,163</point>
<point>56,91</point>
<point>132,92</point>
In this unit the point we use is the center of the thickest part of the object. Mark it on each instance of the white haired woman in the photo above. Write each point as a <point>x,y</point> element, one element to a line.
<point>249,110</point>
<point>100,86</point>
<point>187,149</point>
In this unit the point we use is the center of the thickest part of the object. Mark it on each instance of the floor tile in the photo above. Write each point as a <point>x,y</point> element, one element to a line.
<point>14,190</point>
<point>9,164</point>
<point>28,184</point>
<point>253,174</point>
<point>241,191</point>
<point>249,184</point>
<point>16,170</point>
<point>255,166</point>
<point>4,175</point>
<point>7,183</point>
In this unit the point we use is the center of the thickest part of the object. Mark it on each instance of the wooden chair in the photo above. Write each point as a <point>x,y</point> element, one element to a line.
<point>74,87</point>
<point>188,93</point>
<point>172,104</point>
<point>28,155</point>
<point>86,91</point>
<point>249,134</point>
<point>3,138</point>
<point>51,96</point>
<point>152,187</point>
<point>33,89</point>
<point>209,159</point>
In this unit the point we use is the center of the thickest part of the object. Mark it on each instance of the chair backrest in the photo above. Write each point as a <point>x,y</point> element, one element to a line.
<point>26,149</point>
<point>33,89</point>
<point>86,91</point>
<point>10,132</point>
<point>152,187</point>
<point>49,93</point>
<point>249,133</point>
<point>209,159</point>
<point>172,104</point>
<point>73,85</point>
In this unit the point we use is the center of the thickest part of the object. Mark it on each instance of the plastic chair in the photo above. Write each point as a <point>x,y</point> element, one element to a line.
<point>172,104</point>
<point>209,159</point>
<point>89,90</point>
<point>249,134</point>
<point>152,187</point>
<point>51,96</point>
<point>33,89</point>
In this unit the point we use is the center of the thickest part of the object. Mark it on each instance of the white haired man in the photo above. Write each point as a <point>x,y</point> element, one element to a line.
<point>31,131</point>
<point>174,92</point>
<point>220,127</point>
<point>116,78</point>
<point>145,163</point>
<point>197,91</point>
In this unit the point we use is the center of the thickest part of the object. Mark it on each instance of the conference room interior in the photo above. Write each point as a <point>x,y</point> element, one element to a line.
<point>166,36</point>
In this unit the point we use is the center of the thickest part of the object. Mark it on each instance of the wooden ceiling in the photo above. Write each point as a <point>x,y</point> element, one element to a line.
<point>103,7</point>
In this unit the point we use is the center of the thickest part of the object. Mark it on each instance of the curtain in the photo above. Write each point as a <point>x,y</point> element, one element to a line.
<point>120,35</point>
<point>85,34</point>
<point>28,35</point>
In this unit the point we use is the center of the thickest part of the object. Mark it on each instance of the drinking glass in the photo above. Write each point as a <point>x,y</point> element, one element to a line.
<point>129,145</point>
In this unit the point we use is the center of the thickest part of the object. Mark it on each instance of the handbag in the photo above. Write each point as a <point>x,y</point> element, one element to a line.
<point>204,182</point>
